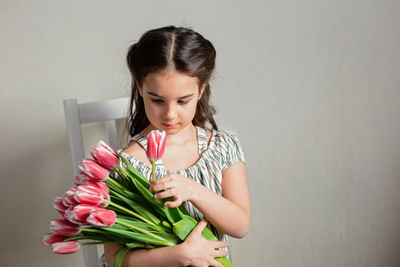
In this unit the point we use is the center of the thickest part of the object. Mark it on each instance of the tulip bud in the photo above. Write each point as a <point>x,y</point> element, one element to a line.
<point>81,179</point>
<point>51,238</point>
<point>93,170</point>
<point>102,188</point>
<point>100,185</point>
<point>68,199</point>
<point>102,217</point>
<point>79,213</point>
<point>62,213</point>
<point>64,227</point>
<point>68,217</point>
<point>66,247</point>
<point>155,145</point>
<point>89,195</point>
<point>105,155</point>
<point>59,205</point>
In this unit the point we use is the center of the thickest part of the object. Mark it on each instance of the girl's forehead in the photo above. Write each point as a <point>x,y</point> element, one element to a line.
<point>170,82</point>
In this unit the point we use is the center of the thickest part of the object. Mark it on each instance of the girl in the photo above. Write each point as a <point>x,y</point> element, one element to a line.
<point>202,169</point>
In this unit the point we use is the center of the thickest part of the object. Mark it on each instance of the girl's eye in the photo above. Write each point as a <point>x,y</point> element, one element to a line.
<point>183,102</point>
<point>156,100</point>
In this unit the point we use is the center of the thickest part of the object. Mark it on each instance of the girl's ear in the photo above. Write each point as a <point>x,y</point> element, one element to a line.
<point>201,91</point>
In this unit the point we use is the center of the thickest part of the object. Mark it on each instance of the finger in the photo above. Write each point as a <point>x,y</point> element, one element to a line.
<point>220,253</point>
<point>199,227</point>
<point>219,244</point>
<point>216,263</point>
<point>161,186</point>
<point>173,204</point>
<point>167,193</point>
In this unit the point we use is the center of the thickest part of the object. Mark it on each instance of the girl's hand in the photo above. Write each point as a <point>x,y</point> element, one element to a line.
<point>176,186</point>
<point>200,251</point>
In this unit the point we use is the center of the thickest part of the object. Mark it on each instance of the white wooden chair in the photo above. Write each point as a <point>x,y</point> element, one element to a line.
<point>107,111</point>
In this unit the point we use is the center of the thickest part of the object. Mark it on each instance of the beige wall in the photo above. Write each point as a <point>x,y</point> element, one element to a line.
<point>310,87</point>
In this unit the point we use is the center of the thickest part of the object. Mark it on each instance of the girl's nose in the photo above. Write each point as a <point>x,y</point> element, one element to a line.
<point>170,113</point>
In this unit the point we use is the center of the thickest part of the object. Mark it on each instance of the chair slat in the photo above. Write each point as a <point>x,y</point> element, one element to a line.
<point>112,109</point>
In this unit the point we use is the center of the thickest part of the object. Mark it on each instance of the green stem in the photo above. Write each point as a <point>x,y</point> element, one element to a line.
<point>122,170</point>
<point>94,243</point>
<point>92,231</point>
<point>128,211</point>
<point>153,164</point>
<point>144,232</point>
<point>117,184</point>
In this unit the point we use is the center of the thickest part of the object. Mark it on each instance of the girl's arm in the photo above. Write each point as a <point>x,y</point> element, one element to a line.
<point>163,256</point>
<point>221,211</point>
<point>233,206</point>
<point>195,251</point>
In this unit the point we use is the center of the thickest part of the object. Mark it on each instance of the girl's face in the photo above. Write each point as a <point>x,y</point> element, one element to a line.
<point>170,100</point>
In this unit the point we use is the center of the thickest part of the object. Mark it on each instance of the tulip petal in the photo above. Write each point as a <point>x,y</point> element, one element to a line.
<point>88,195</point>
<point>102,217</point>
<point>59,205</point>
<point>93,170</point>
<point>105,155</point>
<point>66,247</point>
<point>68,199</point>
<point>155,145</point>
<point>63,227</point>
<point>51,238</point>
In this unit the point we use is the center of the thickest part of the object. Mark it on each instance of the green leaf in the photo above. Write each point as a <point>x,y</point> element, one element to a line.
<point>225,261</point>
<point>141,224</point>
<point>115,185</point>
<point>185,226</point>
<point>139,209</point>
<point>135,173</point>
<point>140,237</point>
<point>136,245</point>
<point>119,257</point>
<point>143,185</point>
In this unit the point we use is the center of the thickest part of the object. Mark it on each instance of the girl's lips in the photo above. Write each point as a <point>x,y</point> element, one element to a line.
<point>170,126</point>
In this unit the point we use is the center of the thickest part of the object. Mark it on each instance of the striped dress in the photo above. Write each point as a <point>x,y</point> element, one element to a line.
<point>222,151</point>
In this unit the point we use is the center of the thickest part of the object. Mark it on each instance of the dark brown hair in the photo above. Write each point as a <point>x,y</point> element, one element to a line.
<point>179,48</point>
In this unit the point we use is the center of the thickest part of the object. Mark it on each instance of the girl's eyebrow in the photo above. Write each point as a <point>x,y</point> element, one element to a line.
<point>185,96</point>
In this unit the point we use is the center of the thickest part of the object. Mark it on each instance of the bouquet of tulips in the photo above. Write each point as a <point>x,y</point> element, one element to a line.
<point>102,209</point>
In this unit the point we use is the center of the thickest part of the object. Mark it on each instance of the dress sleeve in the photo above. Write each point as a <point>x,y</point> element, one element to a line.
<point>232,151</point>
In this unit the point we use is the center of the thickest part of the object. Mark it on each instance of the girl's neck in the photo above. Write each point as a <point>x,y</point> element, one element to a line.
<point>180,138</point>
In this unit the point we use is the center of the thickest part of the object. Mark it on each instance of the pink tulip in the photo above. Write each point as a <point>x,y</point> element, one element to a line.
<point>64,227</point>
<point>81,179</point>
<point>67,216</point>
<point>103,189</point>
<point>79,213</point>
<point>66,247</point>
<point>87,194</point>
<point>93,170</point>
<point>102,217</point>
<point>68,199</point>
<point>62,214</point>
<point>155,145</point>
<point>59,205</point>
<point>105,155</point>
<point>100,185</point>
<point>155,148</point>
<point>51,238</point>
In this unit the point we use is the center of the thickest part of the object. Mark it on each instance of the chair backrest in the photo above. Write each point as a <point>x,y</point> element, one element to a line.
<point>107,111</point>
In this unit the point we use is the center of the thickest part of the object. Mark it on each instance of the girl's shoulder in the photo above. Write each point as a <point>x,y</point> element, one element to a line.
<point>226,147</point>
<point>137,151</point>
<point>224,138</point>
